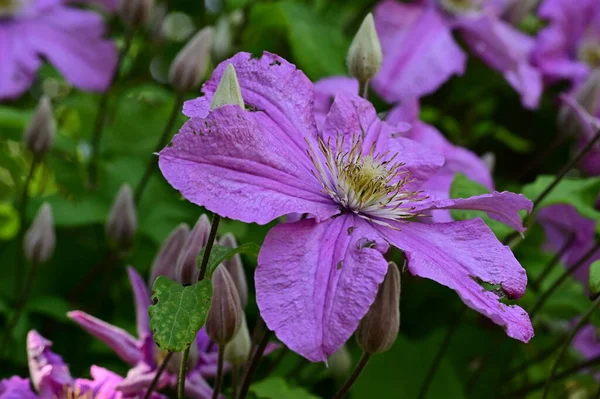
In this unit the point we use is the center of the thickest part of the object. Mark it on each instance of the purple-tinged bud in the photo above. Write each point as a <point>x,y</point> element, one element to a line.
<point>238,350</point>
<point>378,330</point>
<point>226,313</point>
<point>365,55</point>
<point>40,240</point>
<point>235,268</point>
<point>340,363</point>
<point>186,270</point>
<point>135,12</point>
<point>166,259</point>
<point>228,91</point>
<point>39,135</point>
<point>517,10</point>
<point>189,67</point>
<point>122,220</point>
<point>587,96</point>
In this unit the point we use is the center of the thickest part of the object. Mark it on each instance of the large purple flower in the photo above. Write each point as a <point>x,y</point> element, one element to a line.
<point>569,47</point>
<point>71,39</point>
<point>51,379</point>
<point>420,53</point>
<point>362,186</point>
<point>145,356</point>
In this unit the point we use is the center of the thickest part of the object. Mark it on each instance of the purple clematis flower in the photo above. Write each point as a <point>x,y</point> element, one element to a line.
<point>361,184</point>
<point>420,53</point>
<point>51,379</point>
<point>586,342</point>
<point>569,47</point>
<point>145,356</point>
<point>71,39</point>
<point>458,159</point>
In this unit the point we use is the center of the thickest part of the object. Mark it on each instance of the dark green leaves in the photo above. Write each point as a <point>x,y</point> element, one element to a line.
<point>178,312</point>
<point>219,254</point>
<point>595,278</point>
<point>276,387</point>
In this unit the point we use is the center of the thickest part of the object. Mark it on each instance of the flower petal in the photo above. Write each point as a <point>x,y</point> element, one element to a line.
<point>49,373</point>
<point>419,53</point>
<point>196,387</point>
<point>72,40</point>
<point>325,92</point>
<point>502,206</point>
<point>325,275</point>
<point>235,165</point>
<point>351,114</point>
<point>19,62</point>
<point>119,340</point>
<point>141,297</point>
<point>508,51</point>
<point>16,388</point>
<point>272,85</point>
<point>586,342</point>
<point>459,254</point>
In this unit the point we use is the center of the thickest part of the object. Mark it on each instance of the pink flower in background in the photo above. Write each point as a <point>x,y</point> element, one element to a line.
<point>71,39</point>
<point>51,378</point>
<point>145,357</point>
<point>420,53</point>
<point>363,187</point>
<point>569,47</point>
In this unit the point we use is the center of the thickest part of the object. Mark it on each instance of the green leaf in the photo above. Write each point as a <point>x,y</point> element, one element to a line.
<point>580,193</point>
<point>50,306</point>
<point>595,277</point>
<point>178,312</point>
<point>276,388</point>
<point>9,221</point>
<point>219,254</point>
<point>463,187</point>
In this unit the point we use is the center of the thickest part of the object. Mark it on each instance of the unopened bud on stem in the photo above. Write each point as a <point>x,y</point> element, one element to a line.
<point>189,67</point>
<point>226,314</point>
<point>165,261</point>
<point>135,12</point>
<point>122,220</point>
<point>228,91</point>
<point>587,96</point>
<point>186,270</point>
<point>39,134</point>
<point>238,350</point>
<point>40,240</point>
<point>364,55</point>
<point>378,330</point>
<point>235,268</point>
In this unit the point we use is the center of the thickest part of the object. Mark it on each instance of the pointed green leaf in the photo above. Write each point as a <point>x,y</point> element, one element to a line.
<point>178,312</point>
<point>595,278</point>
<point>219,254</point>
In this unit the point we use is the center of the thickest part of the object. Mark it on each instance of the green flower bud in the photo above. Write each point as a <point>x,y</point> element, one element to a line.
<point>365,55</point>
<point>238,350</point>
<point>135,13</point>
<point>40,239</point>
<point>226,314</point>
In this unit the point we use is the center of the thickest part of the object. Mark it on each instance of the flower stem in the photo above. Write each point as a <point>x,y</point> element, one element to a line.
<point>235,376</point>
<point>441,352</point>
<point>569,271</point>
<point>519,369</point>
<point>219,379</point>
<point>182,373</point>
<point>567,344</point>
<point>251,369</point>
<point>209,245</point>
<point>363,89</point>
<point>355,374</point>
<point>103,108</point>
<point>19,307</point>
<point>159,145</point>
<point>535,284</point>
<point>20,264</point>
<point>160,371</point>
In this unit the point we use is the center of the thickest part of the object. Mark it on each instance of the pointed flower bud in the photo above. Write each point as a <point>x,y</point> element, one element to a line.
<point>587,96</point>
<point>186,270</point>
<point>238,350</point>
<point>122,219</point>
<point>226,314</point>
<point>40,240</point>
<point>39,135</point>
<point>364,55</point>
<point>135,12</point>
<point>166,259</point>
<point>340,363</point>
<point>378,330</point>
<point>235,268</point>
<point>228,91</point>
<point>189,67</point>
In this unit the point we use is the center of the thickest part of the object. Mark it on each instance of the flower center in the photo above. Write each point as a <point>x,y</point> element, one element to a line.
<point>70,392</point>
<point>589,52</point>
<point>9,8</point>
<point>370,185</point>
<point>460,7</point>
